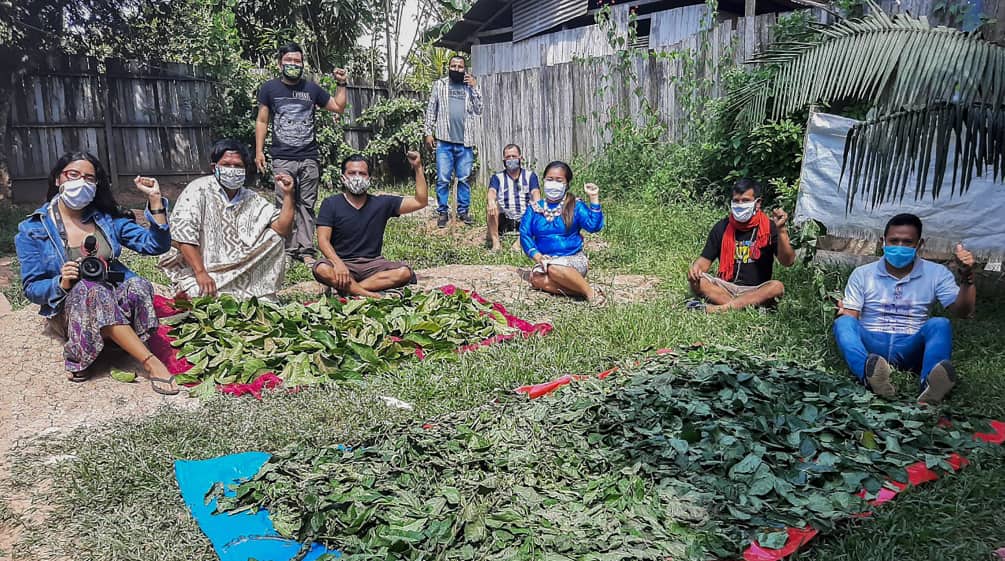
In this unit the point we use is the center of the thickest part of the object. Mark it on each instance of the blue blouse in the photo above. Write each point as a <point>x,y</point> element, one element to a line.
<point>537,235</point>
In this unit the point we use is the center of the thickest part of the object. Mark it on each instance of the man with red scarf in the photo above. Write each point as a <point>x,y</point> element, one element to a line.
<point>746,244</point>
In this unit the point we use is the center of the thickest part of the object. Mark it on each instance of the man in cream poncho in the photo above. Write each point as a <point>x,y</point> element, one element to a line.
<point>228,239</point>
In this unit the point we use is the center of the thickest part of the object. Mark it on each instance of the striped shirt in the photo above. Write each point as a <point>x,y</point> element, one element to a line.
<point>438,112</point>
<point>514,194</point>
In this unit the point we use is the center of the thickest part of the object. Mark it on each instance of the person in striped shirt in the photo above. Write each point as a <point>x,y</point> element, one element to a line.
<point>512,192</point>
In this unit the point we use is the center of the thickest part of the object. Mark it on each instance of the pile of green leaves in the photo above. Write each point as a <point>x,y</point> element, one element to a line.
<point>684,457</point>
<point>230,341</point>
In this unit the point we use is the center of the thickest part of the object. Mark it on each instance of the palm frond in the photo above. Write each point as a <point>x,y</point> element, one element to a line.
<point>892,62</point>
<point>932,89</point>
<point>881,155</point>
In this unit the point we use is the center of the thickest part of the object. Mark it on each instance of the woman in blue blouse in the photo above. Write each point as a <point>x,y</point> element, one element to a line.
<point>82,220</point>
<point>552,236</point>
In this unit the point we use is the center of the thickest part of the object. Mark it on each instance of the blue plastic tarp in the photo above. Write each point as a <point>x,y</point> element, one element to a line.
<point>241,536</point>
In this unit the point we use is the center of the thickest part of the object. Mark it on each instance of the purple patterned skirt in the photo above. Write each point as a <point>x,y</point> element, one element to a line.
<point>92,305</point>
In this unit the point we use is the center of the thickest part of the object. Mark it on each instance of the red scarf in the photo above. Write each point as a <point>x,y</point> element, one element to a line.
<point>727,253</point>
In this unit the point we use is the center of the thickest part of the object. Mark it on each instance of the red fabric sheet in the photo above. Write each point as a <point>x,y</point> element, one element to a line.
<point>917,473</point>
<point>160,344</point>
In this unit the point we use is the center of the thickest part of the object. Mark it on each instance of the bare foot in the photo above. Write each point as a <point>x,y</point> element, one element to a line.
<point>496,246</point>
<point>161,380</point>
<point>597,297</point>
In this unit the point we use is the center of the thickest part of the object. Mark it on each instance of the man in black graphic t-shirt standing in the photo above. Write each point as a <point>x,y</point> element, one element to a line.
<point>289,102</point>
<point>746,244</point>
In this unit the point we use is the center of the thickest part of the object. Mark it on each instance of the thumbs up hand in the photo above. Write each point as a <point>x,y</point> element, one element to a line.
<point>964,258</point>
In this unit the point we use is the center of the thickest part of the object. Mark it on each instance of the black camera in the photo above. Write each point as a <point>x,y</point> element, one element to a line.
<point>94,268</point>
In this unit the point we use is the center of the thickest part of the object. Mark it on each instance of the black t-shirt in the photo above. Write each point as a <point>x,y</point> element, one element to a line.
<point>292,111</point>
<point>747,271</point>
<point>358,232</point>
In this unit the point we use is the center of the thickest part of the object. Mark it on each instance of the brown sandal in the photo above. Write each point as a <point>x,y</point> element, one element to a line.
<point>78,377</point>
<point>154,379</point>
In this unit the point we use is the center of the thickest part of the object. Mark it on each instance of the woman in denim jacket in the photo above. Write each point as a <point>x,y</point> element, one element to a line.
<point>81,219</point>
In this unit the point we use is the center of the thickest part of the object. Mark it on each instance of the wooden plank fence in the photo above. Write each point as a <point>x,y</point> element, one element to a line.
<point>137,118</point>
<point>150,119</point>
<point>559,111</point>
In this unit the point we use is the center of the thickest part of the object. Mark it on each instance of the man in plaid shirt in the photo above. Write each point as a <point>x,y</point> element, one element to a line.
<point>451,117</point>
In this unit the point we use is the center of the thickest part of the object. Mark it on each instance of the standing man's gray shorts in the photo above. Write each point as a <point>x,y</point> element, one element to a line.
<point>307,173</point>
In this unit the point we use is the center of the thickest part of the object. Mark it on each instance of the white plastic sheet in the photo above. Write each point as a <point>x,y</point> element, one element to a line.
<point>976,218</point>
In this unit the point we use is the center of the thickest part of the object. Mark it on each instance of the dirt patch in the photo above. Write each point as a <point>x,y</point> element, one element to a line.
<point>37,399</point>
<point>506,284</point>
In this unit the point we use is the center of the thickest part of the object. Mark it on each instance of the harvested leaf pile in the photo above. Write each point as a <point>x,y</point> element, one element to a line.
<point>685,457</point>
<point>230,341</point>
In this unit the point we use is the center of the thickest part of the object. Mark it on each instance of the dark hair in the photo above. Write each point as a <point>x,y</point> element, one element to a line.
<point>104,200</point>
<point>904,219</point>
<point>356,158</point>
<point>517,146</point>
<point>746,184</point>
<point>224,145</point>
<point>569,206</point>
<point>565,167</point>
<point>462,59</point>
<point>287,49</point>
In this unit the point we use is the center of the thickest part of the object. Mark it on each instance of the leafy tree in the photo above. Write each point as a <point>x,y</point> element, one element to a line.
<point>326,29</point>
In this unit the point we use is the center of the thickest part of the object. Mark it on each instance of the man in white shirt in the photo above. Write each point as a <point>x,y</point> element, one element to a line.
<point>885,316</point>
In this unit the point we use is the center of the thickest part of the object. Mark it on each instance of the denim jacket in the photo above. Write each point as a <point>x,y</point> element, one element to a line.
<point>42,255</point>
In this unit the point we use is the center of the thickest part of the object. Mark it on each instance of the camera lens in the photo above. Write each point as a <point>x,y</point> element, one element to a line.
<point>91,268</point>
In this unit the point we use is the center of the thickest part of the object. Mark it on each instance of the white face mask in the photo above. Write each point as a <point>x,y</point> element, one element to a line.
<point>231,179</point>
<point>743,212</point>
<point>77,193</point>
<point>356,185</point>
<point>554,190</point>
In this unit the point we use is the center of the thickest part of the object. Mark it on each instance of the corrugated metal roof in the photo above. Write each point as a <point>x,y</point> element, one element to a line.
<point>531,17</point>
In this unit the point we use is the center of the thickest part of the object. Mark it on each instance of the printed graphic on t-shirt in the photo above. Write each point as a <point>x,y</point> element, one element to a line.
<point>742,253</point>
<point>293,124</point>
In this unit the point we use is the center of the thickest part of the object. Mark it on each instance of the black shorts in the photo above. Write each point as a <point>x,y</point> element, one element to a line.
<point>507,224</point>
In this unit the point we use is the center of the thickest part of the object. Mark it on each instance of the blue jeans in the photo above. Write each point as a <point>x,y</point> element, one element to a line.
<point>920,352</point>
<point>453,160</point>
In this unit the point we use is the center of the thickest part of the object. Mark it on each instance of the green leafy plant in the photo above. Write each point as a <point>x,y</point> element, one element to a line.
<point>681,457</point>
<point>770,153</point>
<point>397,125</point>
<point>230,341</point>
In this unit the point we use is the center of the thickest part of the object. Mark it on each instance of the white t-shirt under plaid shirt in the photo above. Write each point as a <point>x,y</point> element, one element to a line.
<point>514,195</point>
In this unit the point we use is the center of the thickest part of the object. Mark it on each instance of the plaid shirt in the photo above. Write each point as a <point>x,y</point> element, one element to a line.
<point>438,111</point>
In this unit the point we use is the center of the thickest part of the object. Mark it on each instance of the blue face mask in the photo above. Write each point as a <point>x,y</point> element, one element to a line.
<point>898,256</point>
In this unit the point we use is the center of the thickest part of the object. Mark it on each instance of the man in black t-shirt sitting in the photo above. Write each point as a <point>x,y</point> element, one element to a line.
<point>351,232</point>
<point>746,244</point>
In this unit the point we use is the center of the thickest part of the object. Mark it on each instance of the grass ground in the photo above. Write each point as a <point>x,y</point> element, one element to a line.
<point>117,498</point>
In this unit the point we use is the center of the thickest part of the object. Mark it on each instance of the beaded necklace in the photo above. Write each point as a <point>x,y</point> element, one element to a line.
<point>552,213</point>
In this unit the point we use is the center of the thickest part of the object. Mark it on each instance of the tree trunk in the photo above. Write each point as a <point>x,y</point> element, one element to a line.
<point>388,32</point>
<point>749,36</point>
